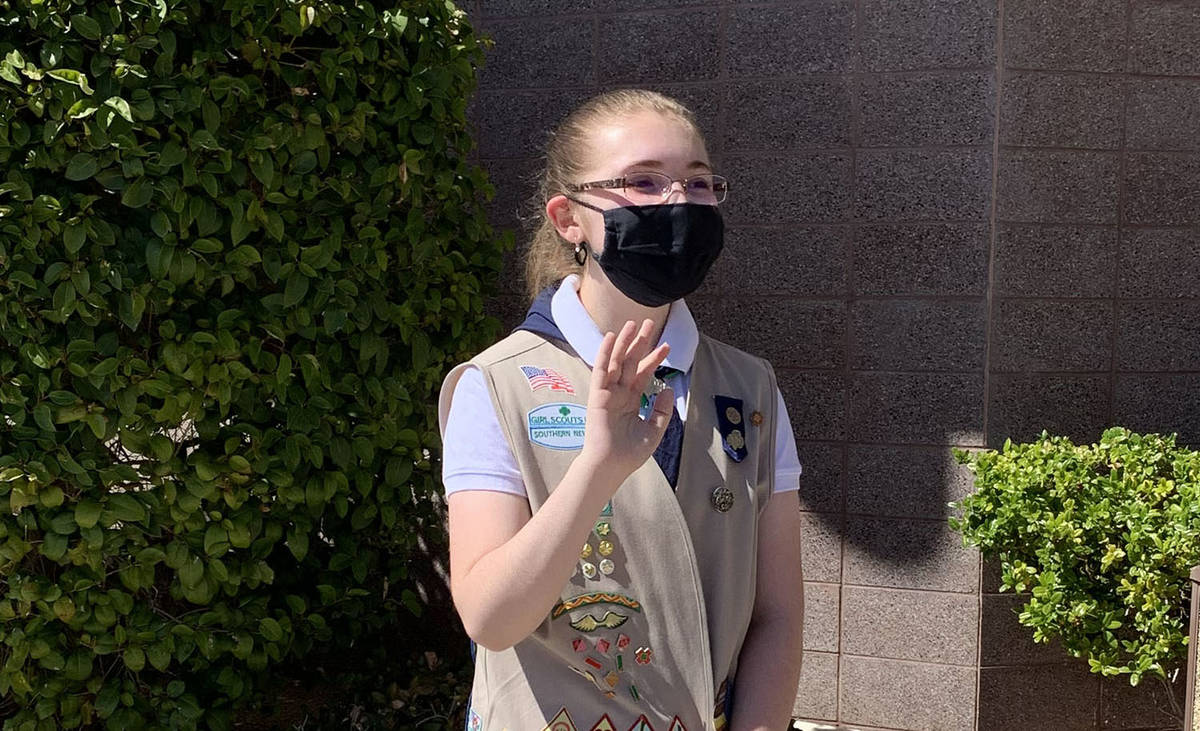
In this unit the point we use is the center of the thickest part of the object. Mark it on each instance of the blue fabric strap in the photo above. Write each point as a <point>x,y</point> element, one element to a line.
<point>669,449</point>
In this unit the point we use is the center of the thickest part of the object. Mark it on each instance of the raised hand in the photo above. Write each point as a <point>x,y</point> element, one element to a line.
<point>616,438</point>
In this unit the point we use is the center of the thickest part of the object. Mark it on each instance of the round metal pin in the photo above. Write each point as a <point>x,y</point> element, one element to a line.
<point>722,499</point>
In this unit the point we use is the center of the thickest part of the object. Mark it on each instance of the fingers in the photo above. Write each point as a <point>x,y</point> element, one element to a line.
<point>630,372</point>
<point>647,366</point>
<point>616,359</point>
<point>600,367</point>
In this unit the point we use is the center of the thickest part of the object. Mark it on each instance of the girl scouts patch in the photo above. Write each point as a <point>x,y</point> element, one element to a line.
<point>557,426</point>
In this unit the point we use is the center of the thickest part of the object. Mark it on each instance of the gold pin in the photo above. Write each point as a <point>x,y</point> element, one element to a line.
<point>736,440</point>
<point>586,551</point>
<point>603,528</point>
<point>756,418</point>
<point>606,548</point>
<point>734,416</point>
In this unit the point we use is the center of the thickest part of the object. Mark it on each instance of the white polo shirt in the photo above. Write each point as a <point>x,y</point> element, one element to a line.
<point>476,455</point>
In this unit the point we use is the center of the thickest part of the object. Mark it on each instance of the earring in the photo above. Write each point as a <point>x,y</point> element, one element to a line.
<point>580,254</point>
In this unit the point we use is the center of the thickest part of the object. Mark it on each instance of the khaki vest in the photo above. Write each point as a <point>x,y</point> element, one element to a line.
<point>649,628</point>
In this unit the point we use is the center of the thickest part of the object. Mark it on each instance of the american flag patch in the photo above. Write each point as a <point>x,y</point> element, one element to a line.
<point>540,378</point>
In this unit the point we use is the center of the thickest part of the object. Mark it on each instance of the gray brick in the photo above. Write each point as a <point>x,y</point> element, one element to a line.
<point>1162,189</point>
<point>821,547</point>
<point>923,34</point>
<point>809,112</point>
<point>918,259</point>
<point>816,402</point>
<point>1061,110</point>
<point>1155,336</point>
<point>790,39</point>
<point>821,483</point>
<point>1160,263</point>
<point>1059,697</point>
<point>800,187</point>
<point>917,408</point>
<point>906,695</point>
<point>924,184</point>
<point>807,261</point>
<point>1162,403</point>
<point>1058,187</point>
<point>816,694</point>
<point>821,616</point>
<point>660,47</point>
<point>500,9</point>
<point>905,110</point>
<point>910,625</point>
<point>536,53</point>
<point>1165,38</point>
<point>1082,35</point>
<point>1031,335</point>
<point>1162,114</point>
<point>787,332</point>
<point>1021,406</point>
<point>516,124</point>
<point>1124,707</point>
<point>904,482</point>
<point>1005,641</point>
<point>1055,261</point>
<point>908,554</point>
<point>912,335</point>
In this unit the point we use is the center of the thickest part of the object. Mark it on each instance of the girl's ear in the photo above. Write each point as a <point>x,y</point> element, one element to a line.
<point>559,213</point>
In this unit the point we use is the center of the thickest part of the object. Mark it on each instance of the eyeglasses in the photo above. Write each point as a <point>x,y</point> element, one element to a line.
<point>651,187</point>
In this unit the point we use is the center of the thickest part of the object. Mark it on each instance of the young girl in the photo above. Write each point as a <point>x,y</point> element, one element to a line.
<point>623,546</point>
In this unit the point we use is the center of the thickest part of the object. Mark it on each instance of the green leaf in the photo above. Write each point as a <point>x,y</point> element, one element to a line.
<point>74,237</point>
<point>135,658</point>
<point>120,106</point>
<point>126,508</point>
<point>87,513</point>
<point>87,27</point>
<point>270,629</point>
<point>138,194</point>
<point>82,166</point>
<point>71,76</point>
<point>296,289</point>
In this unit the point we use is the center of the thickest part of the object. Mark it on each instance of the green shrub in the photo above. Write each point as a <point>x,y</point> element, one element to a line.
<point>1102,537</point>
<point>239,244</point>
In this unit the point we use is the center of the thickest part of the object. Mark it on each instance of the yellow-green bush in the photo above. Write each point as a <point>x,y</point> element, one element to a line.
<point>239,243</point>
<point>1102,537</point>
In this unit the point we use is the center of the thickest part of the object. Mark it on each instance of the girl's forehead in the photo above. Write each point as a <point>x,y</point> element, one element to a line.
<point>645,136</point>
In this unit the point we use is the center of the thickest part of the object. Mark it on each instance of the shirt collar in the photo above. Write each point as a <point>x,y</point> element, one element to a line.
<point>584,337</point>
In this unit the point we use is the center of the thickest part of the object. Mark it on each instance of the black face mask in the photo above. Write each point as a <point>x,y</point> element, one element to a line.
<point>657,254</point>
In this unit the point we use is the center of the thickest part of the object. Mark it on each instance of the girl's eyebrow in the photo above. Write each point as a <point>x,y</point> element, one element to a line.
<point>658,164</point>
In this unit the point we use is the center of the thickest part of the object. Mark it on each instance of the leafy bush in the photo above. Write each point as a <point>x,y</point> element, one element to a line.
<point>1102,537</point>
<point>239,244</point>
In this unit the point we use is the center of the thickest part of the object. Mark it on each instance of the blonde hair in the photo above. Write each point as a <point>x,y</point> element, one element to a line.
<point>551,257</point>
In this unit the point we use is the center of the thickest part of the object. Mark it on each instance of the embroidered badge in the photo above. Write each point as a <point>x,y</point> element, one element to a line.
<point>476,722</point>
<point>588,623</point>
<point>643,655</point>
<point>602,646</point>
<point>547,378</point>
<point>599,597</point>
<point>677,725</point>
<point>729,420</point>
<point>558,426</point>
<point>561,721</point>
<point>642,724</point>
<point>604,724</point>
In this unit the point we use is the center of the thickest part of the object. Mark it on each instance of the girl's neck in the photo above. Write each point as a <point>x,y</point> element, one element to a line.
<point>610,309</point>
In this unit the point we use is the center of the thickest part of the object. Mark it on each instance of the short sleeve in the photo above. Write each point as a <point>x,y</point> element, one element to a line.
<point>475,452</point>
<point>787,461</point>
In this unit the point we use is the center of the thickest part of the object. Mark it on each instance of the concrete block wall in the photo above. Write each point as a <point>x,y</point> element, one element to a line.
<point>951,222</point>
